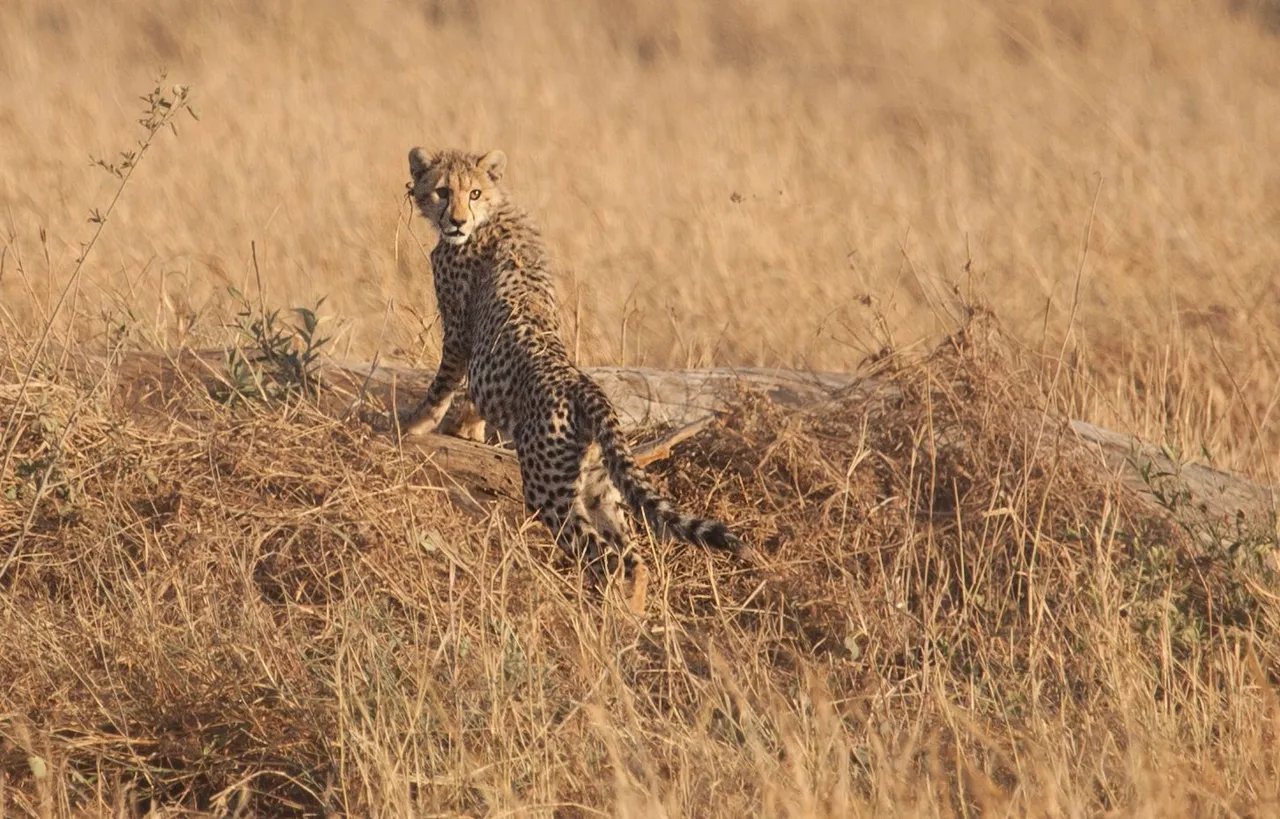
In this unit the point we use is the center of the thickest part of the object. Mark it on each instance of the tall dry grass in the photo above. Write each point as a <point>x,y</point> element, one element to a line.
<point>266,609</point>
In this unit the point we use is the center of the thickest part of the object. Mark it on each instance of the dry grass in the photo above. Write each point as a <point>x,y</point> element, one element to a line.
<point>264,609</point>
<point>260,608</point>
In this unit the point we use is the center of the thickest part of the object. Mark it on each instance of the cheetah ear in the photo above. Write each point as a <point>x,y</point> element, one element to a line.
<point>420,163</point>
<point>493,163</point>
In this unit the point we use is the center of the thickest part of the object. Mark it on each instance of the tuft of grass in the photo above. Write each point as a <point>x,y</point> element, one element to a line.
<point>271,359</point>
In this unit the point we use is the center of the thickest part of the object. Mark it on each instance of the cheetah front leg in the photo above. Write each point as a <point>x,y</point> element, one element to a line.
<point>453,366</point>
<point>463,421</point>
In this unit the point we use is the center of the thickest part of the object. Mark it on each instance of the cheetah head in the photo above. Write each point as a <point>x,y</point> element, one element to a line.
<point>457,191</point>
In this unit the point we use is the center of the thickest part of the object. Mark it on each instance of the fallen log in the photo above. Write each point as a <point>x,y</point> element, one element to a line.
<point>685,401</point>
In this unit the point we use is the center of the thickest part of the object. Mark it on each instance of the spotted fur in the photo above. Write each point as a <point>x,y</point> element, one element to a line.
<point>502,335</point>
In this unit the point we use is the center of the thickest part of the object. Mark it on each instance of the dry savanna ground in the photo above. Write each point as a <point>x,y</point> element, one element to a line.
<point>226,598</point>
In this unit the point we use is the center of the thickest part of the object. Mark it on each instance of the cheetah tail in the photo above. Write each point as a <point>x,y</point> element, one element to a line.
<point>659,514</point>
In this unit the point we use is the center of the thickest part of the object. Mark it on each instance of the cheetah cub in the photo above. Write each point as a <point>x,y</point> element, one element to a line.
<point>501,332</point>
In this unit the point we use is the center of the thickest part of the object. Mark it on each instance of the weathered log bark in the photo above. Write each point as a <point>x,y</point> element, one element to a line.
<point>684,399</point>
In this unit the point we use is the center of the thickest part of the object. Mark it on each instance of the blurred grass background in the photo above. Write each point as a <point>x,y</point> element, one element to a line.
<point>743,183</point>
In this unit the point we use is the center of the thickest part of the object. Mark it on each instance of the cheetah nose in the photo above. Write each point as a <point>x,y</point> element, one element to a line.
<point>456,222</point>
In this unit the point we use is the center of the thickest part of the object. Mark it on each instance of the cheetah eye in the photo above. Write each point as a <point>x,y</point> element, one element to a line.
<point>442,193</point>
<point>475,194</point>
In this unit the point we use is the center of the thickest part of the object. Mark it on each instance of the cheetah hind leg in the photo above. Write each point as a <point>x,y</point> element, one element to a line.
<point>603,558</point>
<point>602,503</point>
<point>571,513</point>
<point>613,566</point>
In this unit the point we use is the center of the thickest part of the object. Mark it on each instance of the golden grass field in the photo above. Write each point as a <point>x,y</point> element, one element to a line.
<point>262,609</point>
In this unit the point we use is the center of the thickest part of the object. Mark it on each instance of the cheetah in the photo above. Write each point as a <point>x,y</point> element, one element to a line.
<point>497,302</point>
